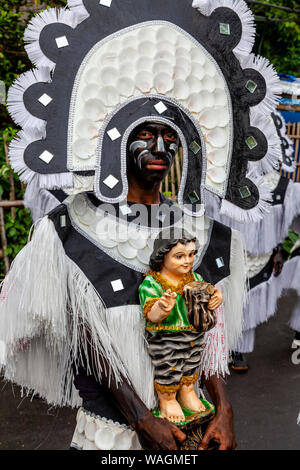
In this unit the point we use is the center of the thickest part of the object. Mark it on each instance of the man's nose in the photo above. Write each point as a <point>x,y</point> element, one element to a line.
<point>160,145</point>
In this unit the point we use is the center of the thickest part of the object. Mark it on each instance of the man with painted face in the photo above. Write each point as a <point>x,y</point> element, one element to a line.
<point>151,150</point>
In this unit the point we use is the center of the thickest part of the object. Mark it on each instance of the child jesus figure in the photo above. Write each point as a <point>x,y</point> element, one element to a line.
<point>175,346</point>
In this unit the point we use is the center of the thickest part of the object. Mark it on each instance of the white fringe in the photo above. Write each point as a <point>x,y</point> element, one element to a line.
<point>77,7</point>
<point>267,70</point>
<point>224,337</point>
<point>16,156</point>
<point>56,180</point>
<point>273,156</point>
<point>246,16</point>
<point>262,236</point>
<point>48,301</point>
<point>246,343</point>
<point>15,103</point>
<point>16,152</point>
<point>253,215</point>
<point>39,201</point>
<point>34,28</point>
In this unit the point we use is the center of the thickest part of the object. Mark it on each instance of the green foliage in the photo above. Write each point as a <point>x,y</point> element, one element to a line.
<point>279,42</point>
<point>290,241</point>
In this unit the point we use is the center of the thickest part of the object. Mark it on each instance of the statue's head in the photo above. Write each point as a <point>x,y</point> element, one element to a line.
<point>151,150</point>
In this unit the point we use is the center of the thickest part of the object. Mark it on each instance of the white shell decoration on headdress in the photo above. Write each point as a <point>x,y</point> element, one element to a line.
<point>156,59</point>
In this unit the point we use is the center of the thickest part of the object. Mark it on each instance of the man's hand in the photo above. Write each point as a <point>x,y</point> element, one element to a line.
<point>158,434</point>
<point>277,263</point>
<point>221,431</point>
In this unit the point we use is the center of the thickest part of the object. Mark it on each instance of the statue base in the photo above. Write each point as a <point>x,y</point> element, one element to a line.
<point>195,425</point>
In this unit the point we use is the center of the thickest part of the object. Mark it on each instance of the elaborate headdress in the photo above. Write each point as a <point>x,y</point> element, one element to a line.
<point>103,67</point>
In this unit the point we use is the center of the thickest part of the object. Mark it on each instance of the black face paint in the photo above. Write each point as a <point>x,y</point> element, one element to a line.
<point>152,148</point>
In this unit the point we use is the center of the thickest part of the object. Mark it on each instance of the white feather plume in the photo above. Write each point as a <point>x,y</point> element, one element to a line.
<point>78,8</point>
<point>16,152</point>
<point>273,156</point>
<point>15,103</point>
<point>268,72</point>
<point>34,28</point>
<point>16,156</point>
<point>206,7</point>
<point>256,213</point>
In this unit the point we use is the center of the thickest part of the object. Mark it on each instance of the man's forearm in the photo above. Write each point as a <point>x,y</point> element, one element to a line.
<point>216,387</point>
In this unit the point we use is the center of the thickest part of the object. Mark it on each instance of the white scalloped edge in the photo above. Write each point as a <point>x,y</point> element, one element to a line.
<point>268,72</point>
<point>15,104</point>
<point>78,8</point>
<point>36,25</point>
<point>16,157</point>
<point>273,155</point>
<point>206,7</point>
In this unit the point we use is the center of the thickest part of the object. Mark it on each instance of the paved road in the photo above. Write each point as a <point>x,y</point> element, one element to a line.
<point>266,400</point>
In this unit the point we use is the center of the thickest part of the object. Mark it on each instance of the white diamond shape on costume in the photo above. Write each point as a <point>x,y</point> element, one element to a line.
<point>61,41</point>
<point>114,134</point>
<point>111,181</point>
<point>220,262</point>
<point>63,221</point>
<point>117,285</point>
<point>105,3</point>
<point>125,210</point>
<point>160,107</point>
<point>278,197</point>
<point>45,99</point>
<point>46,156</point>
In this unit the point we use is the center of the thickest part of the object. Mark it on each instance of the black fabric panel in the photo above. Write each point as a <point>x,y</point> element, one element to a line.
<point>98,267</point>
<point>264,275</point>
<point>279,124</point>
<point>59,194</point>
<point>280,191</point>
<point>219,247</point>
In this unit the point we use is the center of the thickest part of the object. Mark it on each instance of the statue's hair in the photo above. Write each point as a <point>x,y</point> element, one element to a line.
<point>157,256</point>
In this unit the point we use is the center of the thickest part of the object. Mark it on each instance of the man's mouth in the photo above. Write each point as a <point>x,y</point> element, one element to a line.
<point>157,165</point>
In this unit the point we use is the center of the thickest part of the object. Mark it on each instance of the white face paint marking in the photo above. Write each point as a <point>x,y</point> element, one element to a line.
<point>160,145</point>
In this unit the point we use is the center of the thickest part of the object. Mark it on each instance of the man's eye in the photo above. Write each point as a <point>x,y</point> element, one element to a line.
<point>145,135</point>
<point>170,137</point>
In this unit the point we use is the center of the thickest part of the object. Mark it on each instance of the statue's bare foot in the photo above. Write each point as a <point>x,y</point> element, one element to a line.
<point>170,408</point>
<point>188,399</point>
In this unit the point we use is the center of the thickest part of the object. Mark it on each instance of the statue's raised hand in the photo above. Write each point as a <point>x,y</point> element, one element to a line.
<point>162,308</point>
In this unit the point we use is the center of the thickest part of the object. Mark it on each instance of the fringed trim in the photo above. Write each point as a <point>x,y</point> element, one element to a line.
<point>79,10</point>
<point>56,180</point>
<point>165,284</point>
<point>148,306</point>
<point>268,72</point>
<point>246,343</point>
<point>246,16</point>
<point>189,380</point>
<point>171,328</point>
<point>273,155</point>
<point>15,103</point>
<point>251,215</point>
<point>34,28</point>
<point>39,201</point>
<point>49,302</point>
<point>16,152</point>
<point>16,156</point>
<point>227,332</point>
<point>166,389</point>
